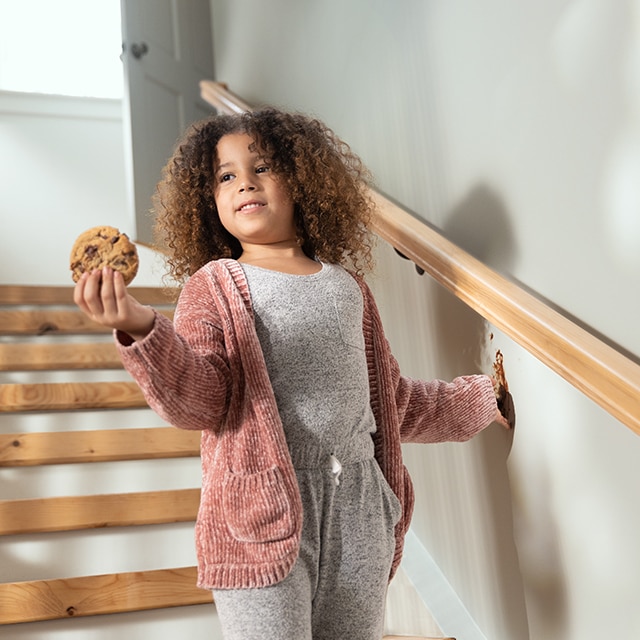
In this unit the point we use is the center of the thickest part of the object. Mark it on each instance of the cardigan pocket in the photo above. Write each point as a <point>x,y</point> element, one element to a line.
<point>257,506</point>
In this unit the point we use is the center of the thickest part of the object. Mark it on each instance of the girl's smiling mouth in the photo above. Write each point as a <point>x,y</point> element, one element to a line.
<point>250,206</point>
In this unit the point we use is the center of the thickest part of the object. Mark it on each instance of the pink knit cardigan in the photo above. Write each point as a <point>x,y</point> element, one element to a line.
<point>209,374</point>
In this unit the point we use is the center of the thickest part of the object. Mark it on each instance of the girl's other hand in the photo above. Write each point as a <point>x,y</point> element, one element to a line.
<point>506,411</point>
<point>102,296</point>
<point>502,421</point>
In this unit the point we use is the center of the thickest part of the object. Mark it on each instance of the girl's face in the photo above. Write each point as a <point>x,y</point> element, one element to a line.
<point>253,203</point>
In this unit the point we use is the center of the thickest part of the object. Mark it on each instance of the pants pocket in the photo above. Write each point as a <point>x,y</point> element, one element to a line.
<point>392,505</point>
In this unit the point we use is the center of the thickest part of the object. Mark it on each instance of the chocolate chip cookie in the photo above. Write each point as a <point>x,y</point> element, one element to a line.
<point>501,388</point>
<point>104,246</point>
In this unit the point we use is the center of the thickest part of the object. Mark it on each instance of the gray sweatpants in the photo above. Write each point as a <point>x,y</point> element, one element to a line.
<point>337,588</point>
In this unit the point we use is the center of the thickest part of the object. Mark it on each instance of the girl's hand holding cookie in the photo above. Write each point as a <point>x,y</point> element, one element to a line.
<point>102,296</point>
<point>103,247</point>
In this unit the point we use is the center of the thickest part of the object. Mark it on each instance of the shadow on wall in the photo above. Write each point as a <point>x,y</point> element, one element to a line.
<point>480,225</point>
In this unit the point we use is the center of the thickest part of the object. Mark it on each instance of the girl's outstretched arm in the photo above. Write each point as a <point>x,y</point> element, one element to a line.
<point>441,411</point>
<point>186,384</point>
<point>435,410</point>
<point>102,296</point>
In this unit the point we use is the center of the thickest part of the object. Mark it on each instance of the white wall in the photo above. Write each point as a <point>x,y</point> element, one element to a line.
<point>514,127</point>
<point>62,167</point>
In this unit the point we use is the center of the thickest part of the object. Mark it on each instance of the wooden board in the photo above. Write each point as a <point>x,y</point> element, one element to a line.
<point>72,513</point>
<point>26,294</point>
<point>49,357</point>
<point>95,595</point>
<point>41,322</point>
<point>64,447</point>
<point>70,396</point>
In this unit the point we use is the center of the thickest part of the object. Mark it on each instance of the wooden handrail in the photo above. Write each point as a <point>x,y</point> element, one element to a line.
<point>217,95</point>
<point>598,370</point>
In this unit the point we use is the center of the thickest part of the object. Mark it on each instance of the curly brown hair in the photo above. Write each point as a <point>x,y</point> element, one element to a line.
<point>325,179</point>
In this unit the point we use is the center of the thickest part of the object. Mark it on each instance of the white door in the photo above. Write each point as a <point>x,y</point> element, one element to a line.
<point>167,50</point>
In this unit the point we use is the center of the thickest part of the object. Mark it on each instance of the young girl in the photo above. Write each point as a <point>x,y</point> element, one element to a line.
<point>278,357</point>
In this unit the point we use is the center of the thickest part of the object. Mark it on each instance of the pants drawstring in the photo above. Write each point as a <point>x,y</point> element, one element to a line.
<point>336,469</point>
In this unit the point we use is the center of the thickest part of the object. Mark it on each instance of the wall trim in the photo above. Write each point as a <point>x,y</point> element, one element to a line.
<point>436,592</point>
<point>40,104</point>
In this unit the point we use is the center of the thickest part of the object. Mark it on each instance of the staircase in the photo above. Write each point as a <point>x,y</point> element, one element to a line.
<point>42,331</point>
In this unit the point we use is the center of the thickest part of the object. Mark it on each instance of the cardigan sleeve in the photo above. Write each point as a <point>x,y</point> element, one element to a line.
<point>426,411</point>
<point>438,411</point>
<point>183,372</point>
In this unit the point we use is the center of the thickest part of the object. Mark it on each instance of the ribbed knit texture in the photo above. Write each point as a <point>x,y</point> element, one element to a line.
<point>209,374</point>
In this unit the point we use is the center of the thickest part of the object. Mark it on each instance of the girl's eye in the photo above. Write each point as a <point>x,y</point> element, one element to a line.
<point>262,169</point>
<point>225,177</point>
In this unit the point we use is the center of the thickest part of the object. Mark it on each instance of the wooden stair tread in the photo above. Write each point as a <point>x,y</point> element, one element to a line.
<point>72,513</point>
<point>65,447</point>
<point>38,600</point>
<point>49,357</point>
<point>39,322</point>
<point>67,396</point>
<point>62,295</point>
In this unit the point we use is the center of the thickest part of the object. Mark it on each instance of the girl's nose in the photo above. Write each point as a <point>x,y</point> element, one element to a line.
<point>247,183</point>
